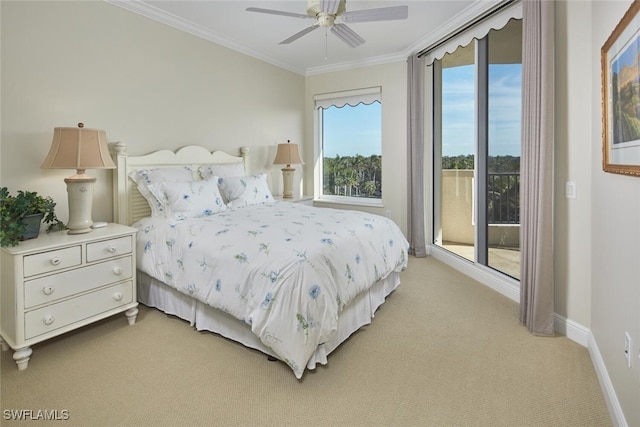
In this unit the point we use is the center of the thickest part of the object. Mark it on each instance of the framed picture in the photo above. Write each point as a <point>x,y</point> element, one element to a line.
<point>621,96</point>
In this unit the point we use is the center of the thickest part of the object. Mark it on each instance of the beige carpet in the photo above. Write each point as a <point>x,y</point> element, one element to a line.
<point>442,351</point>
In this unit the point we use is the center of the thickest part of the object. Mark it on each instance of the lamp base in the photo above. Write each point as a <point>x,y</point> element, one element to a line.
<point>287,181</point>
<point>80,194</point>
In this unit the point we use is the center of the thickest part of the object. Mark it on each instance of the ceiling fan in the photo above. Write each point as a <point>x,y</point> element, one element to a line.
<point>325,13</point>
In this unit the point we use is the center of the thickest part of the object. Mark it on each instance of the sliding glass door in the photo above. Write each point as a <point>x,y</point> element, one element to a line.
<point>477,104</point>
<point>454,152</point>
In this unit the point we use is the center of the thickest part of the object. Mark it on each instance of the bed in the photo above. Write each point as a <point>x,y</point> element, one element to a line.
<point>217,250</point>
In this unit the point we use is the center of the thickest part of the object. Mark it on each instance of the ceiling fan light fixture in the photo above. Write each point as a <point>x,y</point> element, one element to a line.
<point>325,20</point>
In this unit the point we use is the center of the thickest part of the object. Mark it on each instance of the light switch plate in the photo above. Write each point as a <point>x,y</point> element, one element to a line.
<point>570,190</point>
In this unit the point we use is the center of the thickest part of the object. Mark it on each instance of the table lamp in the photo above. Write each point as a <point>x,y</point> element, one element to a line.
<point>79,148</point>
<point>288,155</point>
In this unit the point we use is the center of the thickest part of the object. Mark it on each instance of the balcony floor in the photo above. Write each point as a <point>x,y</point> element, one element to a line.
<point>503,259</point>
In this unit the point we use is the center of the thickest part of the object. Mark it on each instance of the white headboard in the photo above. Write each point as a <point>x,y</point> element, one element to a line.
<point>128,204</point>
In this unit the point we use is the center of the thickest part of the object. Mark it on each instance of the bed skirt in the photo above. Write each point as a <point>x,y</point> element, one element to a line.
<point>358,313</point>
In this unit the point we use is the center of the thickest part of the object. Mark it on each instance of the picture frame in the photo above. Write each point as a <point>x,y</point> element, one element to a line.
<point>620,61</point>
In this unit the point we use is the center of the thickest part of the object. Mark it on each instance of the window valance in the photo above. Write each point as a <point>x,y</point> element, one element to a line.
<point>495,21</point>
<point>350,97</point>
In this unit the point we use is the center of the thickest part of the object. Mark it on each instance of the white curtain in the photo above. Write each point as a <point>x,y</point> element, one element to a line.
<point>536,230</point>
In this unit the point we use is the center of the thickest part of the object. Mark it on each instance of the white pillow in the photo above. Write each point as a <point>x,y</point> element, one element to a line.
<point>222,170</point>
<point>189,199</point>
<point>146,177</point>
<point>246,190</point>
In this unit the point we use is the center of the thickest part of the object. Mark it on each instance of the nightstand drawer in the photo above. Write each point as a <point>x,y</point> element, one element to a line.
<point>61,285</point>
<point>60,282</point>
<point>46,262</point>
<point>108,248</point>
<point>55,316</point>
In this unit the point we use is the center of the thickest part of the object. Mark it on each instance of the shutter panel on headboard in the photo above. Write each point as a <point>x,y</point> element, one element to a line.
<point>139,205</point>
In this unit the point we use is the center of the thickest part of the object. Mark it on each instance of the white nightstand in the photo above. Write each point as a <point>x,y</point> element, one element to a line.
<point>305,200</point>
<point>60,282</point>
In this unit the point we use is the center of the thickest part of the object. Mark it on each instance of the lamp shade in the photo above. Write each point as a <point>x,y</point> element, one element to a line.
<point>78,148</point>
<point>287,154</point>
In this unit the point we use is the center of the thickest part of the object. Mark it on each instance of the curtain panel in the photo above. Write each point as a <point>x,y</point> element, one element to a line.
<point>536,230</point>
<point>415,150</point>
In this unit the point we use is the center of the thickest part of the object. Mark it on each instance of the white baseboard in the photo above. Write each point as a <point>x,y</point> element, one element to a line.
<point>615,410</point>
<point>572,330</point>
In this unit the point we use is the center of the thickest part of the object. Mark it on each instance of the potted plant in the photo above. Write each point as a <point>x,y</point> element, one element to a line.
<point>21,215</point>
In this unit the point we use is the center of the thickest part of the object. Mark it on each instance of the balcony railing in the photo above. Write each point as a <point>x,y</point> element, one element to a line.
<point>457,208</point>
<point>503,198</point>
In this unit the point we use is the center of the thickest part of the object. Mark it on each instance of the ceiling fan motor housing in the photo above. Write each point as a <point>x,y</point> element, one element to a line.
<point>325,19</point>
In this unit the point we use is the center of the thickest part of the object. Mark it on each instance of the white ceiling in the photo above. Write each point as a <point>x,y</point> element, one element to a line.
<point>227,23</point>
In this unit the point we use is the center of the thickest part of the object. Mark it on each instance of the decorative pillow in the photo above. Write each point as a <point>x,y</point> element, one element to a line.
<point>246,190</point>
<point>189,199</point>
<point>222,170</point>
<point>146,177</point>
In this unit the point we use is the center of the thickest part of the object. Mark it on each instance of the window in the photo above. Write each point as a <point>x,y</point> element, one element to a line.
<point>349,147</point>
<point>477,100</point>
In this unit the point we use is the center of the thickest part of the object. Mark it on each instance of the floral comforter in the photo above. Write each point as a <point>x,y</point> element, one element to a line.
<point>286,269</point>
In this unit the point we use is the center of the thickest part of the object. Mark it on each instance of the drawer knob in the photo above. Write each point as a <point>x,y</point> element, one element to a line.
<point>111,248</point>
<point>117,296</point>
<point>48,319</point>
<point>117,271</point>
<point>55,260</point>
<point>48,290</point>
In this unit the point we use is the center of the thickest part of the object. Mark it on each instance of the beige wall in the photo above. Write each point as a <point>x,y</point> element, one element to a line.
<point>393,80</point>
<point>615,235</point>
<point>596,235</point>
<point>146,84</point>
<point>573,161</point>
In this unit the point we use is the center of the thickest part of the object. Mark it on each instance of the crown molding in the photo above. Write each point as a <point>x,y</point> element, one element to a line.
<point>350,65</point>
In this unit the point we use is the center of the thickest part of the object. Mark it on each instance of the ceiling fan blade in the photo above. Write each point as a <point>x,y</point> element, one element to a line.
<point>299,34</point>
<point>381,14</point>
<point>347,35</point>
<point>329,6</point>
<point>278,12</point>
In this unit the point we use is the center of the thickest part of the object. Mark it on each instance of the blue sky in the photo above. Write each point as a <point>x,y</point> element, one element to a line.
<point>353,130</point>
<point>504,110</point>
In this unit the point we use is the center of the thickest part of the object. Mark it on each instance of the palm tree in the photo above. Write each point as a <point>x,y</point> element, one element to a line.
<point>358,165</point>
<point>370,188</point>
<point>351,176</point>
